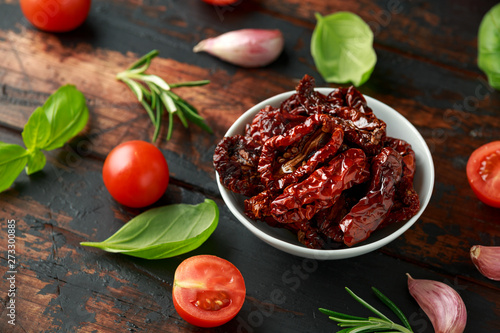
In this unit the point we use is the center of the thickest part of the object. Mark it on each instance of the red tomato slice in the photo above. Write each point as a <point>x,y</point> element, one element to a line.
<point>483,172</point>
<point>208,291</point>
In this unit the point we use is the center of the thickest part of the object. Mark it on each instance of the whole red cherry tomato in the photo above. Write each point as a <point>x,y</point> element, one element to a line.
<point>220,2</point>
<point>56,15</point>
<point>208,291</point>
<point>483,172</point>
<point>135,173</point>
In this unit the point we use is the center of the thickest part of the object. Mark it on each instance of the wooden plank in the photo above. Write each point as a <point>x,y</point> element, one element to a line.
<point>76,288</point>
<point>438,120</point>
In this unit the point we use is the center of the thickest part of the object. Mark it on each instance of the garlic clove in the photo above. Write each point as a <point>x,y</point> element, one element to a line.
<point>487,260</point>
<point>442,304</point>
<point>245,47</point>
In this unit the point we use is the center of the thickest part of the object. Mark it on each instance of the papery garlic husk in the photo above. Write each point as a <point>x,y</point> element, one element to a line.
<point>487,260</point>
<point>246,47</point>
<point>441,303</point>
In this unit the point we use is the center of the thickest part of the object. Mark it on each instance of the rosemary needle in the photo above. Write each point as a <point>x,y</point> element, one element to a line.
<point>354,324</point>
<point>156,96</point>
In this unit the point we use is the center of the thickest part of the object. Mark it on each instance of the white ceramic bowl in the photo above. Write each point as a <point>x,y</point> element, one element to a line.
<point>398,127</point>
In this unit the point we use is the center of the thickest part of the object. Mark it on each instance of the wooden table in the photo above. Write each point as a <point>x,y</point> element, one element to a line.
<point>426,69</point>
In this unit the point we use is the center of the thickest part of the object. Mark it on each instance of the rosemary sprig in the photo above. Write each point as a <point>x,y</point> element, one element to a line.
<point>380,324</point>
<point>156,96</point>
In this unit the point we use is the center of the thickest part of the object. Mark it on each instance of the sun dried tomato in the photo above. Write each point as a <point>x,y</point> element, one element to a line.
<point>289,158</point>
<point>305,102</point>
<point>371,210</point>
<point>267,123</point>
<point>322,188</point>
<point>258,206</point>
<point>406,201</point>
<point>328,219</point>
<point>236,159</point>
<point>312,238</point>
<point>362,128</point>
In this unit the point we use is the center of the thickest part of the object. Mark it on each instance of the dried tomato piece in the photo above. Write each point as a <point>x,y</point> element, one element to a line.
<point>347,97</point>
<point>236,159</point>
<point>312,238</point>
<point>305,102</point>
<point>258,206</point>
<point>322,188</point>
<point>404,148</point>
<point>267,123</point>
<point>406,201</point>
<point>362,128</point>
<point>289,158</point>
<point>328,219</point>
<point>366,216</point>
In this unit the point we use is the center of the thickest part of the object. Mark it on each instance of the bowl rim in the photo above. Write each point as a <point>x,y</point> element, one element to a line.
<point>322,254</point>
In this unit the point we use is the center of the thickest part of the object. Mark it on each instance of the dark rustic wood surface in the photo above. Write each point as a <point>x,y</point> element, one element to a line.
<point>427,70</point>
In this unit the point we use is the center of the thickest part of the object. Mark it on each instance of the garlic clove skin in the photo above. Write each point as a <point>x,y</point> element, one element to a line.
<point>441,303</point>
<point>246,47</point>
<point>487,260</point>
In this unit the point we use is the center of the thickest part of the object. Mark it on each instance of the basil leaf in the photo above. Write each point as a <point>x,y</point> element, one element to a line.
<point>489,46</point>
<point>36,161</point>
<point>67,114</point>
<point>13,158</point>
<point>36,132</point>
<point>164,232</point>
<point>342,48</point>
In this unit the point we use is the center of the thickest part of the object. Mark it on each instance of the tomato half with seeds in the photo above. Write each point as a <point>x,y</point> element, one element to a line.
<point>208,291</point>
<point>136,173</point>
<point>483,173</point>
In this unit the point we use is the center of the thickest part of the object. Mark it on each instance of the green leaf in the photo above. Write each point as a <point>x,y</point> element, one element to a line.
<point>392,306</point>
<point>164,232</point>
<point>371,324</point>
<point>168,102</point>
<point>367,305</point>
<point>154,90</point>
<point>145,60</point>
<point>489,46</point>
<point>159,115</point>
<point>191,113</point>
<point>36,161</point>
<point>13,158</point>
<point>156,80</point>
<point>150,112</point>
<point>339,315</point>
<point>36,132</point>
<point>135,87</point>
<point>170,125</point>
<point>342,48</point>
<point>67,114</point>
<point>189,84</point>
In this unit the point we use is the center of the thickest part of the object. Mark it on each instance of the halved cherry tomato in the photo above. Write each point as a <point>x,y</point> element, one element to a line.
<point>208,291</point>
<point>220,2</point>
<point>483,172</point>
<point>55,16</point>
<point>135,173</point>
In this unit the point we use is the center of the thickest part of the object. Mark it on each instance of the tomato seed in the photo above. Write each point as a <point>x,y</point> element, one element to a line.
<point>489,164</point>
<point>212,300</point>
